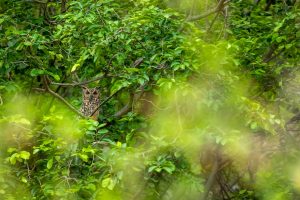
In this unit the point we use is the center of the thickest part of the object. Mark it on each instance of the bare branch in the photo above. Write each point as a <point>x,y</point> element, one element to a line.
<point>138,62</point>
<point>212,23</point>
<point>39,89</point>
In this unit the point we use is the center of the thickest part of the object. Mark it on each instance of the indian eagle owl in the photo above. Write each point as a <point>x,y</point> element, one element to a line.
<point>90,102</point>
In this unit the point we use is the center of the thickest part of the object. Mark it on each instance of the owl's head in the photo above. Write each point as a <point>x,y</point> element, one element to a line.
<point>90,94</point>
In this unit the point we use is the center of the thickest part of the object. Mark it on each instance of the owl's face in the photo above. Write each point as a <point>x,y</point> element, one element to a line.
<point>90,94</point>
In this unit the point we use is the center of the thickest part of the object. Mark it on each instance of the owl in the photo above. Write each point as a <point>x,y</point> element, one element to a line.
<point>90,102</point>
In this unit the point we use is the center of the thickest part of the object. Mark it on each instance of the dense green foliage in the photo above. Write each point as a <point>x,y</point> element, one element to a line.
<point>199,100</point>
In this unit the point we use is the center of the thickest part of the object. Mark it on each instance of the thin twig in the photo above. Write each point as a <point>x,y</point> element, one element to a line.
<point>111,59</point>
<point>226,15</point>
<point>212,23</point>
<point>39,89</point>
<point>153,104</point>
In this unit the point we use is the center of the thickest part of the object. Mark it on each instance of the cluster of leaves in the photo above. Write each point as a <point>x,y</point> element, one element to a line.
<point>267,42</point>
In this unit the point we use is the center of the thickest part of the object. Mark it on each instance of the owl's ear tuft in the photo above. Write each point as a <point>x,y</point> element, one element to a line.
<point>95,92</point>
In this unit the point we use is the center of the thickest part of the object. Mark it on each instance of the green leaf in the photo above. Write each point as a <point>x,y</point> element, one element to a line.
<point>50,163</point>
<point>20,120</point>
<point>132,70</point>
<point>106,182</point>
<point>75,67</point>
<point>24,155</point>
<point>24,180</point>
<point>103,131</point>
<point>102,125</point>
<point>13,158</point>
<point>37,72</point>
<point>253,125</point>
<point>91,187</point>
<point>169,167</point>
<point>55,76</point>
<point>83,157</point>
<point>151,168</point>
<point>112,184</point>
<point>10,150</point>
<point>20,46</point>
<point>27,43</point>
<point>158,169</point>
<point>119,84</point>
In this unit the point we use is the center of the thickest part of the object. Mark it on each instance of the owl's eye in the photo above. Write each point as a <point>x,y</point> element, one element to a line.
<point>87,92</point>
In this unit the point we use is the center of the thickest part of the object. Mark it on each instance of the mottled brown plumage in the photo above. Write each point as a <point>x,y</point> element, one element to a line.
<point>90,102</point>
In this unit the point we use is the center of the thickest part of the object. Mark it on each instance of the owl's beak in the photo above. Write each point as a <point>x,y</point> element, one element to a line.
<point>90,98</point>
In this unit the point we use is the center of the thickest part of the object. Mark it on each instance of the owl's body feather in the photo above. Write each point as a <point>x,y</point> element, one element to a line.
<point>90,102</point>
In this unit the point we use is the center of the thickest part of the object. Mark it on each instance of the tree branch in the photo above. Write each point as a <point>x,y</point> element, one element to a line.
<point>48,90</point>
<point>126,108</point>
<point>211,178</point>
<point>216,9</point>
<point>133,97</point>
<point>212,23</point>
<point>103,102</point>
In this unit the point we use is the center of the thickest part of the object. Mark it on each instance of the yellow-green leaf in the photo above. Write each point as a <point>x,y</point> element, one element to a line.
<point>24,180</point>
<point>50,163</point>
<point>75,67</point>
<point>106,182</point>
<point>24,155</point>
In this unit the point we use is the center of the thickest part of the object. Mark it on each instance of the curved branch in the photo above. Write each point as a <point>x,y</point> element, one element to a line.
<point>65,102</point>
<point>133,97</point>
<point>57,96</point>
<point>126,108</point>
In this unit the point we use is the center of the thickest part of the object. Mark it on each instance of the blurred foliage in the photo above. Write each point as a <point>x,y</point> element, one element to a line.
<point>203,107</point>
